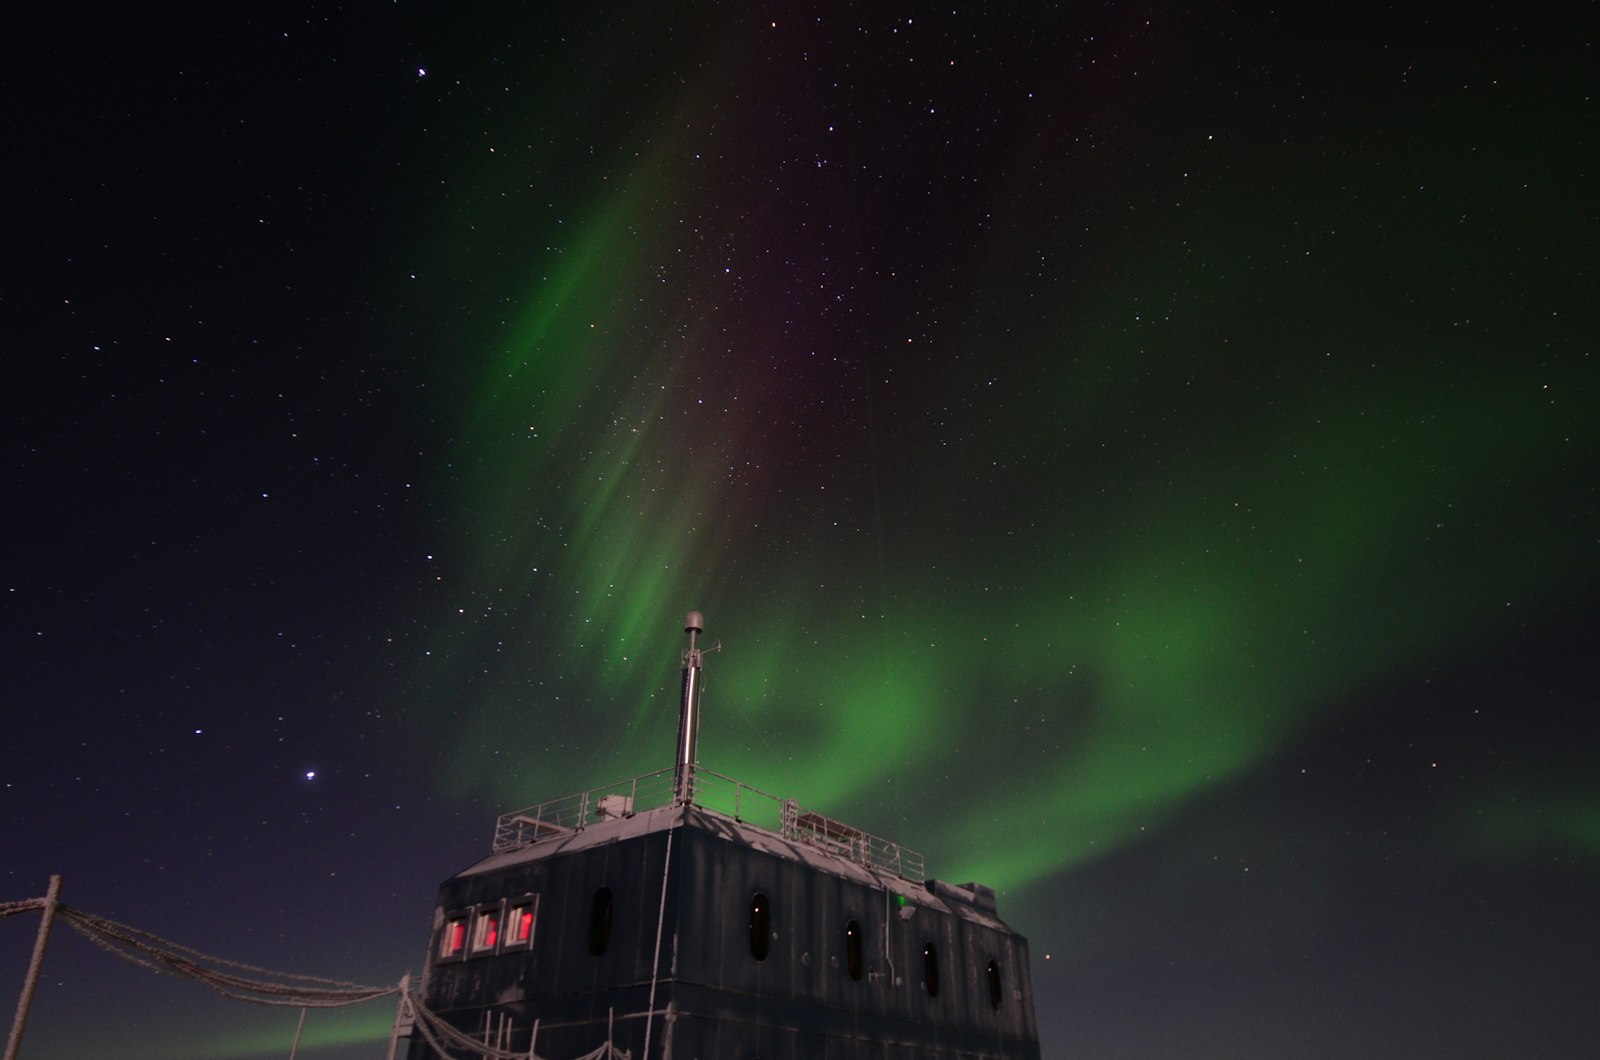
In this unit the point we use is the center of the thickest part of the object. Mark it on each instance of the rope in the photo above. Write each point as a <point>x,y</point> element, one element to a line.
<point>443,1037</point>
<point>655,961</point>
<point>166,957</point>
<point>263,986</point>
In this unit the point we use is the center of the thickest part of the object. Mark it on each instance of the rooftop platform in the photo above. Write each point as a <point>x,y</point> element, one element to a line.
<point>742,803</point>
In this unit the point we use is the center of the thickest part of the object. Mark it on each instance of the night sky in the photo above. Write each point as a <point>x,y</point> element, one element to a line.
<point>1143,457</point>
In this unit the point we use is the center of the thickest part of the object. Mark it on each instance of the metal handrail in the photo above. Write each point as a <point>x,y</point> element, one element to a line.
<point>711,791</point>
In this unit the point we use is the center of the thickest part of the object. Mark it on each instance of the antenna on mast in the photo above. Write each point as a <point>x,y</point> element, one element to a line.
<point>694,623</point>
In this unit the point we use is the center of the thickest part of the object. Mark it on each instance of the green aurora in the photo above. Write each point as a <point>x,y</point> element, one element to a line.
<point>1142,459</point>
<point>1145,552</point>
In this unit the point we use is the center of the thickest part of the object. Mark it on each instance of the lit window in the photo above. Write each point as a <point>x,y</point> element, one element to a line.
<point>519,925</point>
<point>852,949</point>
<point>930,969</point>
<point>995,994</point>
<point>600,921</point>
<point>485,930</point>
<point>453,939</point>
<point>760,927</point>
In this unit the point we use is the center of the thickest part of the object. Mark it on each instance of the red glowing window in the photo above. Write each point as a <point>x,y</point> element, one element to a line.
<point>485,930</point>
<point>453,938</point>
<point>519,925</point>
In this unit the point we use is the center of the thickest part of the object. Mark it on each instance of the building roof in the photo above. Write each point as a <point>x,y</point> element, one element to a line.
<point>823,844</point>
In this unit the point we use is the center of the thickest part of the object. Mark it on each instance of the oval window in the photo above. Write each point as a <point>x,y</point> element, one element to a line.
<point>852,949</point>
<point>995,994</point>
<point>930,969</point>
<point>760,927</point>
<point>600,921</point>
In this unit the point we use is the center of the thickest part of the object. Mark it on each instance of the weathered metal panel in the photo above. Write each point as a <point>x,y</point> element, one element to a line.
<point>713,997</point>
<point>556,980</point>
<point>804,988</point>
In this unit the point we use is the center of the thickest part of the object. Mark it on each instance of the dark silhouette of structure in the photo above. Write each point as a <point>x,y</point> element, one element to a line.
<point>685,915</point>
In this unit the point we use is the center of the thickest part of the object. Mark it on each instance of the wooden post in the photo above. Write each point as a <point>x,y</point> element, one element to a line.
<point>51,900</point>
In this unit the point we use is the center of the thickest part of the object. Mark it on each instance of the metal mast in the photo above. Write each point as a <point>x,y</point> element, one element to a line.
<point>694,623</point>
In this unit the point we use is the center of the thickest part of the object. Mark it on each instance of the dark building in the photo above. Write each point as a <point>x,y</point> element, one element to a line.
<point>683,915</point>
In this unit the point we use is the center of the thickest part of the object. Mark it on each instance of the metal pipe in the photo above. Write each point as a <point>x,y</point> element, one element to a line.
<point>694,623</point>
<point>400,1016</point>
<point>294,1046</point>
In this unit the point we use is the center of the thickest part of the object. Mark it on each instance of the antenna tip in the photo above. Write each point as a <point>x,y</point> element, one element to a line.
<point>694,622</point>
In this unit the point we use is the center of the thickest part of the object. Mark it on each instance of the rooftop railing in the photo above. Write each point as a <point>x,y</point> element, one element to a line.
<point>712,791</point>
